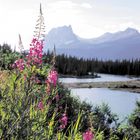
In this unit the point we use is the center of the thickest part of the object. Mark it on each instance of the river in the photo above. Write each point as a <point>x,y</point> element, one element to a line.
<point>121,102</point>
<point>104,78</point>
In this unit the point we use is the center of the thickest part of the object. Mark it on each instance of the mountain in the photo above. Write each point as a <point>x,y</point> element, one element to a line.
<point>109,37</point>
<point>60,36</point>
<point>120,45</point>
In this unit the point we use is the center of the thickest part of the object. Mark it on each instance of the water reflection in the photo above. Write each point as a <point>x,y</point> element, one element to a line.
<point>120,102</point>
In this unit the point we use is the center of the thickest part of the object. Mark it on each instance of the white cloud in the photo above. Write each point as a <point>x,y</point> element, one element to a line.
<point>86,5</point>
<point>63,13</point>
<point>62,4</point>
<point>88,18</point>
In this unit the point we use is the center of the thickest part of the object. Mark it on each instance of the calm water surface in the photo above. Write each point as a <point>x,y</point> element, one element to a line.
<point>104,78</point>
<point>120,102</point>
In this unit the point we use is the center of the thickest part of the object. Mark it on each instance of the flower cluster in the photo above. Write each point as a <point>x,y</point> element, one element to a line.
<point>52,77</point>
<point>33,58</point>
<point>40,105</point>
<point>63,121</point>
<point>20,64</point>
<point>88,135</point>
<point>35,53</point>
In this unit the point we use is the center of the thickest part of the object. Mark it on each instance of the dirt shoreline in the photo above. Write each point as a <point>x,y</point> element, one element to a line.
<point>79,77</point>
<point>131,86</point>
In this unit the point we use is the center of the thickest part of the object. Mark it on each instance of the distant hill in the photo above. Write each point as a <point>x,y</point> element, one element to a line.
<point>120,45</point>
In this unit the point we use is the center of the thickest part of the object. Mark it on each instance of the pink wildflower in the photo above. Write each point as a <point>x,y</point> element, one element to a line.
<point>40,105</point>
<point>88,135</point>
<point>34,40</point>
<point>35,53</point>
<point>19,64</point>
<point>63,121</point>
<point>13,65</point>
<point>52,77</point>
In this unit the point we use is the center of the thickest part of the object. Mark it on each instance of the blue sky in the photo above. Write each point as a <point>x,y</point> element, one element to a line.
<point>89,18</point>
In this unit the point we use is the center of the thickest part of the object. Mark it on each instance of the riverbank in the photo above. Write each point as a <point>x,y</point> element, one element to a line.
<point>79,77</point>
<point>132,86</point>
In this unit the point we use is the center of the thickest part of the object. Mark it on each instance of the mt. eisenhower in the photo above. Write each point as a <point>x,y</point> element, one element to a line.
<point>120,45</point>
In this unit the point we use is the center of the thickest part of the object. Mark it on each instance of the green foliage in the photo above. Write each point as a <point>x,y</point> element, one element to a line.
<point>19,114</point>
<point>134,119</point>
<point>7,57</point>
<point>133,129</point>
<point>21,118</point>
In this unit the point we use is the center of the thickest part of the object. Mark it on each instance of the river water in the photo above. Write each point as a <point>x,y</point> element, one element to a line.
<point>104,78</point>
<point>121,102</point>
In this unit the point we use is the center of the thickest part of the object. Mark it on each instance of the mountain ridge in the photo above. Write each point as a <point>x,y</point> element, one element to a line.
<point>120,45</point>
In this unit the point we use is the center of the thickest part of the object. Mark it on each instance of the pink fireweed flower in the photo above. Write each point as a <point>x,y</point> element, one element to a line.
<point>63,121</point>
<point>40,105</point>
<point>35,53</point>
<point>88,135</point>
<point>13,65</point>
<point>52,77</point>
<point>20,64</point>
<point>34,41</point>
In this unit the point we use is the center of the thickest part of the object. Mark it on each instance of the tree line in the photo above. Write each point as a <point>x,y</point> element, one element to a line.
<point>69,65</point>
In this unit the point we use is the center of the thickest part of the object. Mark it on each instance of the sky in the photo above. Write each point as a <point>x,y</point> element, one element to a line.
<point>88,18</point>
